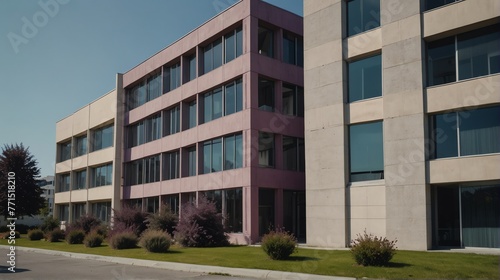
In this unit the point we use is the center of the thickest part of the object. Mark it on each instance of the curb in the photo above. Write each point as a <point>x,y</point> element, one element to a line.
<point>244,272</point>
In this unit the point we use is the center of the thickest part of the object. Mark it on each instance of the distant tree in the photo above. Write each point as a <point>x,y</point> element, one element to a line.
<point>28,202</point>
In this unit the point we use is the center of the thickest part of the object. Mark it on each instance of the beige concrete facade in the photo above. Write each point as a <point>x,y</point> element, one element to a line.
<point>399,206</point>
<point>103,112</point>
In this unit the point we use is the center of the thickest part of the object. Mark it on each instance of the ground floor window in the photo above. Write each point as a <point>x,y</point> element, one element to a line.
<point>152,204</point>
<point>63,212</point>
<point>172,201</point>
<point>294,213</point>
<point>77,210</point>
<point>266,210</point>
<point>102,211</point>
<point>230,203</point>
<point>466,215</point>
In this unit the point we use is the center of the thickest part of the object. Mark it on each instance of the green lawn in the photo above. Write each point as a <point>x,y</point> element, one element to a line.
<point>405,264</point>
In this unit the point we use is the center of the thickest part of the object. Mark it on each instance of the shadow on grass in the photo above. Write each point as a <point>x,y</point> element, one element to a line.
<point>398,265</point>
<point>301,258</point>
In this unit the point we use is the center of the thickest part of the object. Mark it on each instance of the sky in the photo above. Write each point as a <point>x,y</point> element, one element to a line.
<point>56,56</point>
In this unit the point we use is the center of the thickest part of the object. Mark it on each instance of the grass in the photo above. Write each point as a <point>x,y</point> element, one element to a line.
<point>405,264</point>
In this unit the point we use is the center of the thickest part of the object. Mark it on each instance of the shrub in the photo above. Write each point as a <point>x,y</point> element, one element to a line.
<point>35,234</point>
<point>370,250</point>
<point>155,241</point>
<point>49,224</point>
<point>75,236</point>
<point>54,235</point>
<point>129,218</point>
<point>201,226</point>
<point>93,239</point>
<point>163,220</point>
<point>102,230</point>
<point>23,229</point>
<point>279,244</point>
<point>123,240</point>
<point>86,223</point>
<point>6,235</point>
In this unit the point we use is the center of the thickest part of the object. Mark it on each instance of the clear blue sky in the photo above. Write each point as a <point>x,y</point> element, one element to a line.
<point>53,61</point>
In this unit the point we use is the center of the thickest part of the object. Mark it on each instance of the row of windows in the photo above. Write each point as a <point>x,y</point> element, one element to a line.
<point>453,134</point>
<point>100,138</point>
<point>364,15</point>
<point>96,177</point>
<point>218,154</point>
<point>221,101</point>
<point>100,210</point>
<point>468,55</point>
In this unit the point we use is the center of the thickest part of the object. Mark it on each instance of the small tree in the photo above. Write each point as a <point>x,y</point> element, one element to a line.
<point>164,220</point>
<point>201,226</point>
<point>18,161</point>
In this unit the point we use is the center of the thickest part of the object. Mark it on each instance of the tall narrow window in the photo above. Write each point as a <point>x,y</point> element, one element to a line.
<point>65,151</point>
<point>365,78</point>
<point>171,165</point>
<point>266,95</point>
<point>192,161</point>
<point>233,151</point>
<point>293,49</point>
<point>266,41</point>
<point>362,15</point>
<point>192,114</point>
<point>171,77</point>
<point>191,73</point>
<point>212,156</point>
<point>80,180</point>
<point>266,149</point>
<point>441,62</point>
<point>154,87</point>
<point>152,169</point>
<point>172,123</point>
<point>366,151</point>
<point>153,128</point>
<point>136,96</point>
<point>81,146</point>
<point>101,176</point>
<point>293,100</point>
<point>293,154</point>
<point>64,182</point>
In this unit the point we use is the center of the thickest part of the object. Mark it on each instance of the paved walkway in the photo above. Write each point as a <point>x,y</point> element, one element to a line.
<point>244,272</point>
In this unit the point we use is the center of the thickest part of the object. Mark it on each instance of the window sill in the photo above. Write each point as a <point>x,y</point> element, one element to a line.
<point>370,183</point>
<point>462,81</point>
<point>468,156</point>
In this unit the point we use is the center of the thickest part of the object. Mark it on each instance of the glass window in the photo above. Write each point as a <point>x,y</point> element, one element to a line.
<point>172,121</point>
<point>135,134</point>
<point>293,100</point>
<point>153,128</point>
<point>212,156</point>
<point>230,44</point>
<point>81,145</point>
<point>230,99</point>
<point>266,41</point>
<point>233,210</point>
<point>441,62</point>
<point>266,95</point>
<point>432,4</point>
<point>64,182</point>
<point>217,47</point>
<point>293,49</point>
<point>266,149</point>
<point>65,151</point>
<point>134,174</point>
<point>152,204</point>
<point>217,103</point>
<point>136,96</point>
<point>208,64</point>
<point>171,77</point>
<point>365,78</point>
<point>233,152</point>
<point>478,133</point>
<point>192,161</point>
<point>152,169</point>
<point>81,180</point>
<point>362,15</point>
<point>102,138</point>
<point>171,165</point>
<point>172,201</point>
<point>78,210</point>
<point>101,176</point>
<point>154,87</point>
<point>293,154</point>
<point>192,114</point>
<point>192,67</point>
<point>63,212</point>
<point>102,211</point>
<point>479,52</point>
<point>239,42</point>
<point>366,152</point>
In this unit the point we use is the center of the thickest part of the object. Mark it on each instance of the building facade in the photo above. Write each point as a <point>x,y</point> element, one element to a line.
<point>47,185</point>
<point>402,122</point>
<point>88,161</point>
<point>218,113</point>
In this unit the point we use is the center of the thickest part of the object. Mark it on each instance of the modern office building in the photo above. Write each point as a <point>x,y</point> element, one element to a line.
<point>218,113</point>
<point>47,185</point>
<point>88,161</point>
<point>402,122</point>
